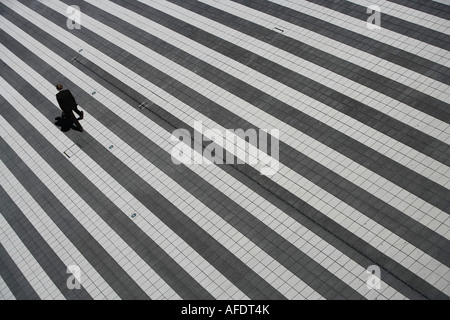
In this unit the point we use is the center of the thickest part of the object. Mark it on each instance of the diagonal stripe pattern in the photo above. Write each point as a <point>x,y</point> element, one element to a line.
<point>357,208</point>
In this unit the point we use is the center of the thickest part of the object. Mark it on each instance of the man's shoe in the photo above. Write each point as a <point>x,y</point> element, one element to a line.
<point>82,116</point>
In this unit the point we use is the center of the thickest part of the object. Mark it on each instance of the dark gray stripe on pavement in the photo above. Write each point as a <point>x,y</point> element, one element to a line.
<point>391,218</point>
<point>369,45</point>
<point>226,263</point>
<point>389,22</point>
<point>377,82</point>
<point>138,66</point>
<point>431,7</point>
<point>169,122</point>
<point>395,90</point>
<point>13,277</point>
<point>357,249</point>
<point>304,267</point>
<point>379,121</point>
<point>97,256</point>
<point>155,257</point>
<point>35,243</point>
<point>380,164</point>
<point>403,272</point>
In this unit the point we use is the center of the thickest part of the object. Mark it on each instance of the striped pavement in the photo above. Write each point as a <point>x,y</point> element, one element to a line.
<point>348,196</point>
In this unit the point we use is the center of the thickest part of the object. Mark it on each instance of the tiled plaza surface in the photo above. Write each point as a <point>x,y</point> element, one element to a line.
<point>354,176</point>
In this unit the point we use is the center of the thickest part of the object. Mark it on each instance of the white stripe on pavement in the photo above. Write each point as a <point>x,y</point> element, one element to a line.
<point>182,253</point>
<point>27,264</point>
<point>321,153</point>
<point>224,233</point>
<point>55,238</point>
<point>5,291</point>
<point>145,277</point>
<point>417,17</point>
<point>383,35</point>
<point>172,100</point>
<point>358,174</point>
<point>378,101</point>
<point>353,274</point>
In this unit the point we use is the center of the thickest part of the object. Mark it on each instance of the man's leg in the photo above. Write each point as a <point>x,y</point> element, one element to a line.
<point>79,112</point>
<point>75,121</point>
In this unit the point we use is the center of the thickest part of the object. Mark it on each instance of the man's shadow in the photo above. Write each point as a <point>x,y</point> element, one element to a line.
<point>65,124</point>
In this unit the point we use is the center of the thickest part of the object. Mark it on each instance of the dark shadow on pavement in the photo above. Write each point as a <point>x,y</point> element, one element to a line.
<point>65,124</point>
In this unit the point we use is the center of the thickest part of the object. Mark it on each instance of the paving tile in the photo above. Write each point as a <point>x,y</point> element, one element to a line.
<point>362,178</point>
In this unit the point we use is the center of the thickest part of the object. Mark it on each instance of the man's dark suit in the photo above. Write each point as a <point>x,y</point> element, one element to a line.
<point>68,104</point>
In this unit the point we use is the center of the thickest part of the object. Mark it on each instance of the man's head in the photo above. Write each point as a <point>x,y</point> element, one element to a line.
<point>59,87</point>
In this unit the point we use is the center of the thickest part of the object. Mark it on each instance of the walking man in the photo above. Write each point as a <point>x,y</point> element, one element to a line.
<point>68,104</point>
